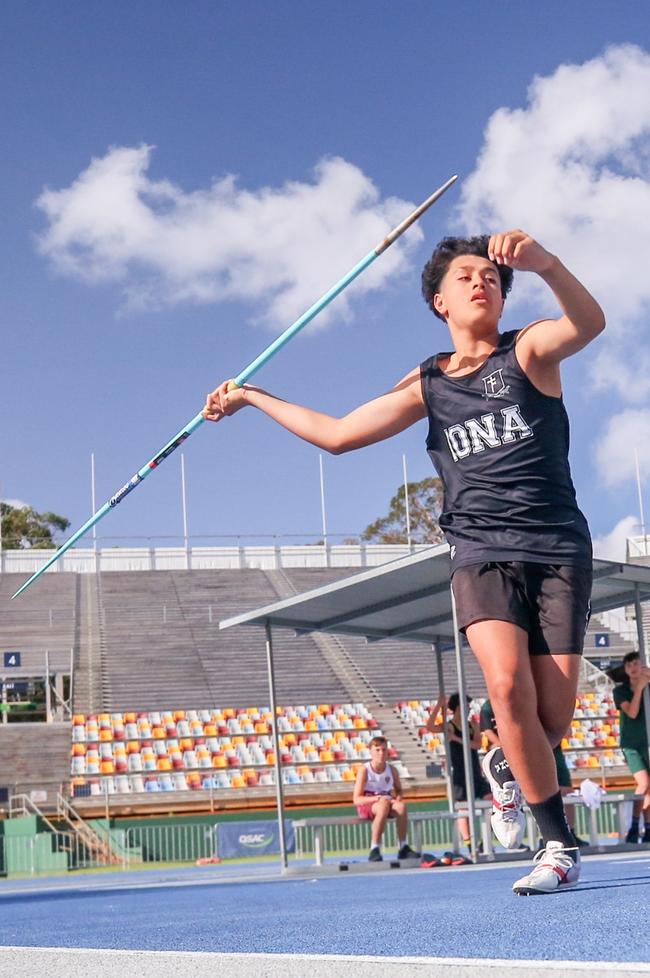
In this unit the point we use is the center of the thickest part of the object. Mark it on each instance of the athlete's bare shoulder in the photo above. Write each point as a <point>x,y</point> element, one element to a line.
<point>411,385</point>
<point>543,374</point>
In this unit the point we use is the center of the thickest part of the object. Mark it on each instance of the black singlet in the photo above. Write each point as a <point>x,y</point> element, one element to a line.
<point>457,758</point>
<point>501,448</point>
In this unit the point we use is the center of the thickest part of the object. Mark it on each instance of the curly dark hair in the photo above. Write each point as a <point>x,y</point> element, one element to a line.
<point>444,253</point>
<point>454,700</point>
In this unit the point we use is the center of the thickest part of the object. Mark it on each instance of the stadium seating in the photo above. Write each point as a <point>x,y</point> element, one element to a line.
<point>184,750</point>
<point>592,742</point>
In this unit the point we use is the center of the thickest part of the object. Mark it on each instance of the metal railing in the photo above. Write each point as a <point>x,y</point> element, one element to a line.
<point>356,837</point>
<point>136,847</point>
<point>58,853</point>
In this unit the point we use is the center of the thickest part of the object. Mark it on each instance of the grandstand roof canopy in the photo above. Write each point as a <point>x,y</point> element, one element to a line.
<point>409,599</point>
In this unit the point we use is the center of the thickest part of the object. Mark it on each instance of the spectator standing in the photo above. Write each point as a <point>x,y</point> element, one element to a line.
<point>628,698</point>
<point>453,729</point>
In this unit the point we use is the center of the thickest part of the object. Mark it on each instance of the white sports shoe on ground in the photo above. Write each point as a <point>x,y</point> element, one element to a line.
<point>508,820</point>
<point>555,869</point>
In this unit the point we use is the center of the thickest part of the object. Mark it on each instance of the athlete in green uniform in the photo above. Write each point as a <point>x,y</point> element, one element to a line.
<point>628,697</point>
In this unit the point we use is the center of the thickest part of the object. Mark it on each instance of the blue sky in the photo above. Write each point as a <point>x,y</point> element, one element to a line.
<point>180,180</point>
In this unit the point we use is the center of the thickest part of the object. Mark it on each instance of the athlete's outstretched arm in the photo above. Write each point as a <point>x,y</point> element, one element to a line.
<point>550,340</point>
<point>371,422</point>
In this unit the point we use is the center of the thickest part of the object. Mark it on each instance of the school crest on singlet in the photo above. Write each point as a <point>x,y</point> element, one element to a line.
<point>494,385</point>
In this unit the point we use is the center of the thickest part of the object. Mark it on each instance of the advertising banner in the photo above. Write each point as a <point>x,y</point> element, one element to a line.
<point>235,840</point>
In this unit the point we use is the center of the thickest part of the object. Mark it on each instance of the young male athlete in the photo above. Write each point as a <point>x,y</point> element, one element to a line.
<point>628,697</point>
<point>520,547</point>
<point>378,797</point>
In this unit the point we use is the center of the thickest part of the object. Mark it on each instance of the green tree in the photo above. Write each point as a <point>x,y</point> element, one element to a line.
<point>23,528</point>
<point>425,504</point>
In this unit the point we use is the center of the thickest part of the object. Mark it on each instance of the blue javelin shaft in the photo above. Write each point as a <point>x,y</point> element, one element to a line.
<point>241,378</point>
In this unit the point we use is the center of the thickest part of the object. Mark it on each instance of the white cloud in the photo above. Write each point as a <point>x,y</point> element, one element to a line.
<point>277,249</point>
<point>16,503</point>
<point>626,437</point>
<point>573,168</point>
<point>613,545</point>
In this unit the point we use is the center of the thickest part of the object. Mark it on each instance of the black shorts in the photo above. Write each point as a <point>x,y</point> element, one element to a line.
<point>481,789</point>
<point>549,601</point>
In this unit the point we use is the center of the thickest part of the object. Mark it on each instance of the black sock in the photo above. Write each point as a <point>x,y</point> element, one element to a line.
<point>551,819</point>
<point>634,824</point>
<point>499,768</point>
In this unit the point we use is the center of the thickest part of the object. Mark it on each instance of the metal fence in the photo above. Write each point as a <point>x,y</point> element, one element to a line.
<point>169,843</point>
<point>56,853</point>
<point>356,837</point>
<point>45,854</point>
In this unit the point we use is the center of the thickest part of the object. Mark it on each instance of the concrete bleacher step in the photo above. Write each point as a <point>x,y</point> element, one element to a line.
<point>87,690</point>
<point>43,618</point>
<point>355,685</point>
<point>35,756</point>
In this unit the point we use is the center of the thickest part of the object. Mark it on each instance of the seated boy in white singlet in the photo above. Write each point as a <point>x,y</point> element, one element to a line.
<point>378,797</point>
<point>520,547</point>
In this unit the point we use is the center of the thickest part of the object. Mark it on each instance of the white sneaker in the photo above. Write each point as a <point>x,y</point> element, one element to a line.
<point>555,869</point>
<point>508,820</point>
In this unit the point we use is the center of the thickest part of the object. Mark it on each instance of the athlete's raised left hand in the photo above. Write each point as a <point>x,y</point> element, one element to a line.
<point>518,250</point>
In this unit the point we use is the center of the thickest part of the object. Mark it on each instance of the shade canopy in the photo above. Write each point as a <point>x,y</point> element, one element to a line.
<point>409,599</point>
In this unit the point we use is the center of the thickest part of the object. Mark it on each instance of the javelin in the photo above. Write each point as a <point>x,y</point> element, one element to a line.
<point>241,378</point>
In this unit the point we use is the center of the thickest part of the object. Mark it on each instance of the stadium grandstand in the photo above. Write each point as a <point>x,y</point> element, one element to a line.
<point>144,696</point>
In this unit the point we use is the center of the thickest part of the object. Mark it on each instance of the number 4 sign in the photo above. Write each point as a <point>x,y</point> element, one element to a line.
<point>11,659</point>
